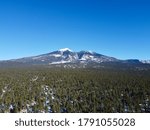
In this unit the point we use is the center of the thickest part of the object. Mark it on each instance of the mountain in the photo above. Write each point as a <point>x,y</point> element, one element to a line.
<point>70,59</point>
<point>66,56</point>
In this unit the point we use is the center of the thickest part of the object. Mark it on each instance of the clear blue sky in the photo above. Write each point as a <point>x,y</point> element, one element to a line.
<point>118,28</point>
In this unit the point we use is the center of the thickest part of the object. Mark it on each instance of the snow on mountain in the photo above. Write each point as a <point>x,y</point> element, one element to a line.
<point>68,58</point>
<point>65,49</point>
<point>56,55</point>
<point>87,57</point>
<point>36,57</point>
<point>145,61</point>
<point>59,62</point>
<point>66,55</point>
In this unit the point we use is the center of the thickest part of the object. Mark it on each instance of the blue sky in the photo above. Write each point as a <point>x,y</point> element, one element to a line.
<point>118,28</point>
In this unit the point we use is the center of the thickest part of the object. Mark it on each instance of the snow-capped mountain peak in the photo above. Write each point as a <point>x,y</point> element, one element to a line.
<point>92,52</point>
<point>65,49</point>
<point>66,55</point>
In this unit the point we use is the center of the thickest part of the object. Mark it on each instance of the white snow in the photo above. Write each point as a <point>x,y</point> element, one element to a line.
<point>65,49</point>
<point>87,57</point>
<point>11,106</point>
<point>59,62</point>
<point>56,55</point>
<point>53,97</point>
<point>76,56</point>
<point>3,91</point>
<point>71,58</point>
<point>33,103</point>
<point>91,52</point>
<point>145,61</point>
<point>23,111</point>
<point>47,101</point>
<point>36,57</point>
<point>35,78</point>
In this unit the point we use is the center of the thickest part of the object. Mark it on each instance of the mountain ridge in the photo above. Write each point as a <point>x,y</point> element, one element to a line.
<point>66,57</point>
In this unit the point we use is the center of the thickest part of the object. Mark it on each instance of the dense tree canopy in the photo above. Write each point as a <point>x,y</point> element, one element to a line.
<point>36,90</point>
